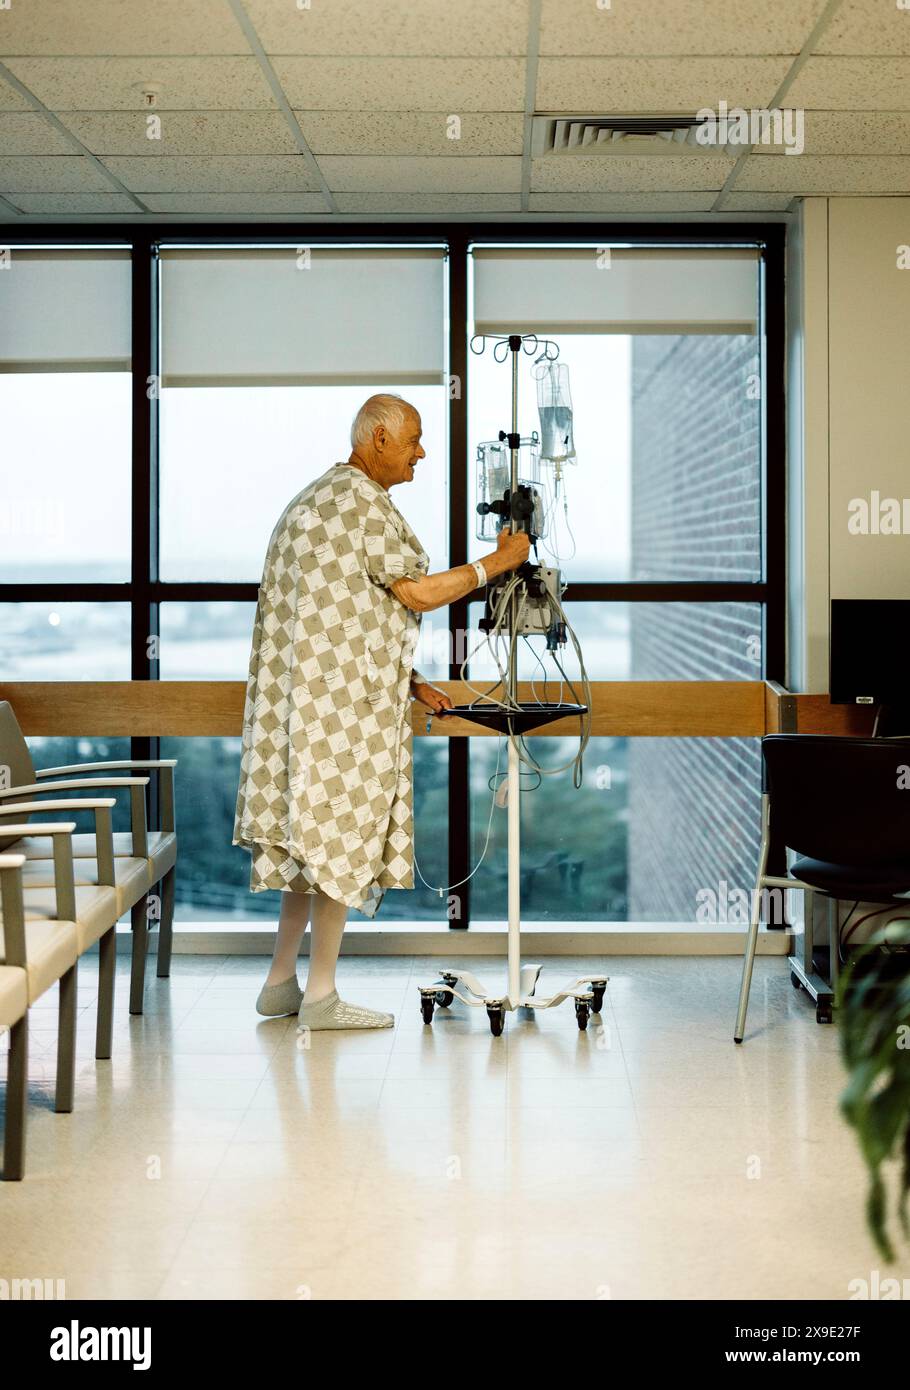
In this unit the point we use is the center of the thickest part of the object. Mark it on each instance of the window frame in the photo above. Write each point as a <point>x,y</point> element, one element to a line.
<point>145,591</point>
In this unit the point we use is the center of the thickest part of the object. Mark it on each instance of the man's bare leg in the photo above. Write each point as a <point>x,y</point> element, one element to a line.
<point>327,924</point>
<point>292,923</point>
<point>321,1008</point>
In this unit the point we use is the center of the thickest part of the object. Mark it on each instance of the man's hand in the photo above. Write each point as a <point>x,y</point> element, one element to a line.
<point>435,699</point>
<point>512,548</point>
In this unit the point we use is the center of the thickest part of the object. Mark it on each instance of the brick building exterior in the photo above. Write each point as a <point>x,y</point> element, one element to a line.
<point>696,515</point>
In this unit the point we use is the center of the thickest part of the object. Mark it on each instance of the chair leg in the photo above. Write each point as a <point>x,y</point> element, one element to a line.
<point>107,974</point>
<point>748,959</point>
<point>140,950</point>
<point>16,1103</point>
<point>66,1043</point>
<point>166,925</point>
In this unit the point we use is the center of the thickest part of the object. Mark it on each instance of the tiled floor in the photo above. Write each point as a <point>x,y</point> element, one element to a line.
<point>646,1158</point>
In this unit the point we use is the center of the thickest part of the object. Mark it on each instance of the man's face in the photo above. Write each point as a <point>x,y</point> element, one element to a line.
<point>400,451</point>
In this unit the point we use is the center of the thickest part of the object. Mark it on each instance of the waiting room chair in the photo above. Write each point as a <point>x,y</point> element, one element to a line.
<point>43,940</point>
<point>61,922</point>
<point>838,804</point>
<point>158,848</point>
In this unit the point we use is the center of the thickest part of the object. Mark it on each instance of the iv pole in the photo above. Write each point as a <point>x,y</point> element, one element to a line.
<point>588,990</point>
<point>513,801</point>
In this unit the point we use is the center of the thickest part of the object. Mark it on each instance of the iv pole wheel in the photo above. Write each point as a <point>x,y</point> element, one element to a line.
<point>444,998</point>
<point>496,1014</point>
<point>598,988</point>
<point>581,1013</point>
<point>427,1005</point>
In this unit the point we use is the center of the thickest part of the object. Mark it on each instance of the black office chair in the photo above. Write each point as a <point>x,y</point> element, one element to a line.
<point>842,805</point>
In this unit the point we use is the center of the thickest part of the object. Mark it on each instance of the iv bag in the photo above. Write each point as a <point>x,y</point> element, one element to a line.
<point>494,476</point>
<point>554,404</point>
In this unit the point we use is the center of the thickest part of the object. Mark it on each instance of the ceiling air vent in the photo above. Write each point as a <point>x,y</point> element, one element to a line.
<point>596,135</point>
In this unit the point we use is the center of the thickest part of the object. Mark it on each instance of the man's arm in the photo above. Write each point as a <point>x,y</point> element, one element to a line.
<point>438,590</point>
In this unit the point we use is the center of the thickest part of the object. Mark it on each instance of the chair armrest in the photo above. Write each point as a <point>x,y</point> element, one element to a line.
<point>138,822</point>
<point>73,784</point>
<point>104,837</point>
<point>165,767</point>
<point>105,767</point>
<point>64,883</point>
<point>30,827</point>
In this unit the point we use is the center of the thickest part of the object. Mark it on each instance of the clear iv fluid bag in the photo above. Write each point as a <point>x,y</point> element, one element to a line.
<point>554,405</point>
<point>494,474</point>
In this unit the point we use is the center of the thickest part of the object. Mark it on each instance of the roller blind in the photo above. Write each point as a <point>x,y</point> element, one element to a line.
<point>638,290</point>
<point>65,310</point>
<point>270,316</point>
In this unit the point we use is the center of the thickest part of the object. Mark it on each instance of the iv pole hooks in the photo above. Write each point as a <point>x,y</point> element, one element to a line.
<point>502,346</point>
<point>587,991</point>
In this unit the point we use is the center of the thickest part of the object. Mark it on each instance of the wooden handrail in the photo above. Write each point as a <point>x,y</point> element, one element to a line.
<point>633,709</point>
<point>668,709</point>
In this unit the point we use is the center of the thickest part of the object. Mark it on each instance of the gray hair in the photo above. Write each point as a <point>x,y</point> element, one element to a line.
<point>390,411</point>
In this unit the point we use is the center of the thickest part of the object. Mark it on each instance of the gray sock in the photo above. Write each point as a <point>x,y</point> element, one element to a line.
<point>277,1000</point>
<point>332,1012</point>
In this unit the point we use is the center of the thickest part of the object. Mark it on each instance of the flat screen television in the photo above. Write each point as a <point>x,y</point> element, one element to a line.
<point>870,652</point>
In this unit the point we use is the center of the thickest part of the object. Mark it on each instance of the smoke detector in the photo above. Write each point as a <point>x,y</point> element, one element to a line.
<point>606,135</point>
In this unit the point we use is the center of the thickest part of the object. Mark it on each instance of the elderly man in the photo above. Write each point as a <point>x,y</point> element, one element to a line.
<point>324,802</point>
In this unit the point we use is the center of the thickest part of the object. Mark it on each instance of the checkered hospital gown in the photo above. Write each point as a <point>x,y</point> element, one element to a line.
<point>325,796</point>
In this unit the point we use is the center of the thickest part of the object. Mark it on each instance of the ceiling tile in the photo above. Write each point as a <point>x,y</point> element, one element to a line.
<point>411,132</point>
<point>829,174</point>
<point>867,26</point>
<point>212,173</point>
<point>397,28</point>
<point>684,26</point>
<point>440,204</point>
<point>621,202</point>
<point>74,204</point>
<point>738,201</point>
<point>852,84</point>
<point>50,174</point>
<point>265,204</point>
<point>182,132</point>
<point>11,100</point>
<point>388,84</point>
<point>28,132</point>
<point>115,84</point>
<point>386,174</point>
<point>111,26</point>
<point>629,173</point>
<point>664,85</point>
<point>851,132</point>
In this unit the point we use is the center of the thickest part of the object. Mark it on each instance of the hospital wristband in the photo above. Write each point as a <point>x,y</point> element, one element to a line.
<point>480,572</point>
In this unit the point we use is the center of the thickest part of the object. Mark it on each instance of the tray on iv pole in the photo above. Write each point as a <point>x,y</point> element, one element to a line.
<point>521,985</point>
<point>515,721</point>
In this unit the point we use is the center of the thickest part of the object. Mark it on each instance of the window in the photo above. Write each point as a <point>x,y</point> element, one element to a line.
<point>267,354</point>
<point>65,641</point>
<point>141,558</point>
<point>65,407</point>
<point>205,640</point>
<point>232,452</point>
<point>656,526</point>
<point>574,841</point>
